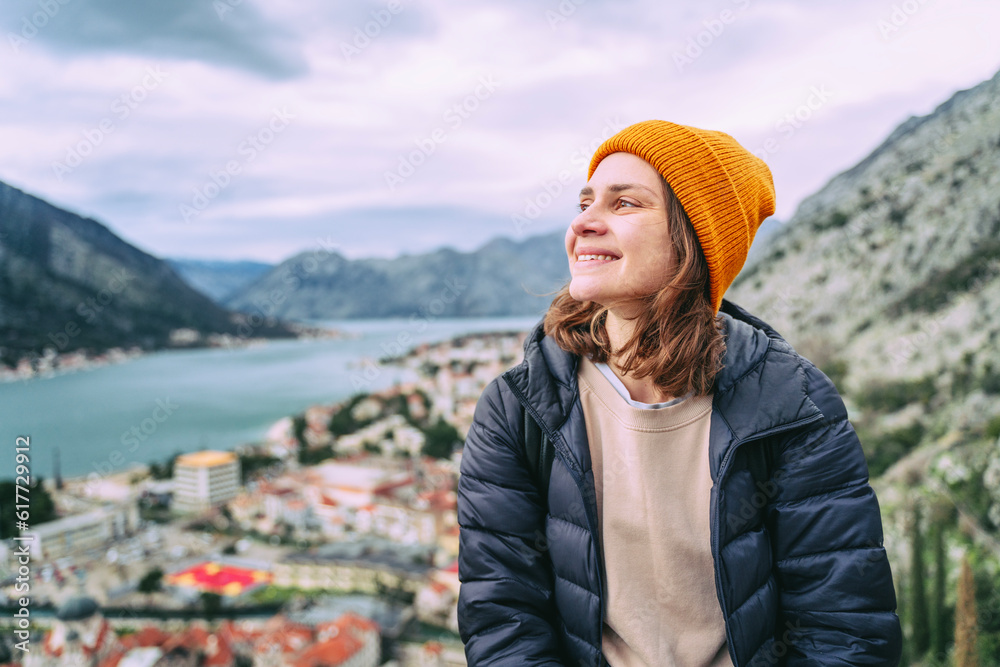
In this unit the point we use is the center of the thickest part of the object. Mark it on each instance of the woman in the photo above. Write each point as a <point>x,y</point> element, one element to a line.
<point>708,502</point>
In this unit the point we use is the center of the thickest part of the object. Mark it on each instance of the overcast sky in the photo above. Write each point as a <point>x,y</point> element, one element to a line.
<point>238,129</point>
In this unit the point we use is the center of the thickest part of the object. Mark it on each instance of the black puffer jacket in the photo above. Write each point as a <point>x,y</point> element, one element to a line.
<point>801,574</point>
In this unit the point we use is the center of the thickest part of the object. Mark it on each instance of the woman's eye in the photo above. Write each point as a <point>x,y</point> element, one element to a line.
<point>581,207</point>
<point>623,202</point>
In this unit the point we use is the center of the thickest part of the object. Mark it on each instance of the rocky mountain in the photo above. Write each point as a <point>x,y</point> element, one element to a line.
<point>218,279</point>
<point>68,283</point>
<point>888,278</point>
<point>501,278</point>
<point>891,272</point>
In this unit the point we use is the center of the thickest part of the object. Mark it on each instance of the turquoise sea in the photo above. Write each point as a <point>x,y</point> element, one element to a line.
<point>195,399</point>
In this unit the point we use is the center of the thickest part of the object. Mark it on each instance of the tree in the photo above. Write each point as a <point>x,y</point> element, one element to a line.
<point>151,582</point>
<point>440,439</point>
<point>251,464</point>
<point>343,422</point>
<point>902,607</point>
<point>966,632</point>
<point>211,603</point>
<point>299,429</point>
<point>920,625</point>
<point>41,507</point>
<point>940,632</point>
<point>165,470</point>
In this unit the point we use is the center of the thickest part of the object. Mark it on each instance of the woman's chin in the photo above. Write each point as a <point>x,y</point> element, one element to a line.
<point>583,292</point>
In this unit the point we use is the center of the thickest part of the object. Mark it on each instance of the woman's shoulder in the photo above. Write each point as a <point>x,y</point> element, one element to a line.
<point>756,351</point>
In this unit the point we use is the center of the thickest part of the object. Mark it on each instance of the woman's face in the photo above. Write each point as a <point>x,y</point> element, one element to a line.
<point>623,214</point>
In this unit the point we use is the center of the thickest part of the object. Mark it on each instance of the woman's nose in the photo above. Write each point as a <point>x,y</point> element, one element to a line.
<point>588,221</point>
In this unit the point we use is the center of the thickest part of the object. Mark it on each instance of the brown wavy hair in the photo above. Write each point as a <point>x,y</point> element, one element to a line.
<point>677,337</point>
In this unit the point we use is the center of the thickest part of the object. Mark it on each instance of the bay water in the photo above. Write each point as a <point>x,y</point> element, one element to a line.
<point>144,410</point>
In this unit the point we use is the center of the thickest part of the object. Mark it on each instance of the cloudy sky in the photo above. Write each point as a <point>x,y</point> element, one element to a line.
<point>238,129</point>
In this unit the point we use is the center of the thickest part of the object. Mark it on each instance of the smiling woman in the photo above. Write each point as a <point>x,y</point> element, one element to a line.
<point>707,502</point>
<point>646,275</point>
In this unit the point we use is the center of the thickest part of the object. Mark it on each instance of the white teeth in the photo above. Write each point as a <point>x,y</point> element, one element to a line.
<point>584,258</point>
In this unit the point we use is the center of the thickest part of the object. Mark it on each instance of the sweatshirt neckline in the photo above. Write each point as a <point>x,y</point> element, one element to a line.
<point>624,393</point>
<point>666,418</point>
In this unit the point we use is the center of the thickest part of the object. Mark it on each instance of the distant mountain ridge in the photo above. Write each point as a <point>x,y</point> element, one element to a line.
<point>69,283</point>
<point>233,283</point>
<point>218,279</point>
<point>499,279</point>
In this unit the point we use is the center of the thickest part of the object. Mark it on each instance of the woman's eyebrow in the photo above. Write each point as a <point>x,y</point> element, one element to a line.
<point>616,187</point>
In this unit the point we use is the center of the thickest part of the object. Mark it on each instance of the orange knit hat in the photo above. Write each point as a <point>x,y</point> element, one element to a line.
<point>725,190</point>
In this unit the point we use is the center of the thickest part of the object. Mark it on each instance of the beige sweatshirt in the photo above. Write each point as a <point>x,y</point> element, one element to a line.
<point>653,484</point>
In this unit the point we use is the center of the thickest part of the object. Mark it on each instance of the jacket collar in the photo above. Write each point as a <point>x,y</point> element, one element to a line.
<point>762,386</point>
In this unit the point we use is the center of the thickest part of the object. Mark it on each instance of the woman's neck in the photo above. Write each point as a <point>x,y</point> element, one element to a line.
<point>619,330</point>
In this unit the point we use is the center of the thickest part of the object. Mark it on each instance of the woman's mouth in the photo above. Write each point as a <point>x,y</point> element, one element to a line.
<point>595,259</point>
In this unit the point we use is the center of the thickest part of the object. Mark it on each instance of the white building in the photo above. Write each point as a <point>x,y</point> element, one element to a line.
<point>77,533</point>
<point>205,479</point>
<point>356,486</point>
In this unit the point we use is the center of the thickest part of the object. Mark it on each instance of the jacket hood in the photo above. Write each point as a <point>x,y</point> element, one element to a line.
<point>762,385</point>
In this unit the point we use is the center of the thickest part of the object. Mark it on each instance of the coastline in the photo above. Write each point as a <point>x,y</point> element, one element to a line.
<point>428,359</point>
<point>52,363</point>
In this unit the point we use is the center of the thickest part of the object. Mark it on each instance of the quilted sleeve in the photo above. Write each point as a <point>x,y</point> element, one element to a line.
<point>836,596</point>
<point>505,603</point>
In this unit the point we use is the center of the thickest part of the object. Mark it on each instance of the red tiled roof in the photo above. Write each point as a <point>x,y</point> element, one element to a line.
<point>197,639</point>
<point>113,658</point>
<point>147,636</point>
<point>289,638</point>
<point>329,653</point>
<point>394,484</point>
<point>346,636</point>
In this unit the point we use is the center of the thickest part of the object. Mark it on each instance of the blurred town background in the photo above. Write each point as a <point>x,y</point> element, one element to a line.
<point>257,265</point>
